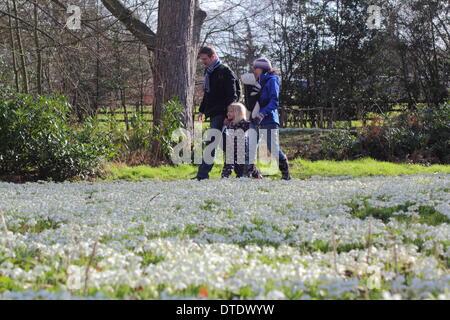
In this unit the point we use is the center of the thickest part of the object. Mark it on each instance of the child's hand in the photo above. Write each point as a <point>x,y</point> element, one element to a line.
<point>201,117</point>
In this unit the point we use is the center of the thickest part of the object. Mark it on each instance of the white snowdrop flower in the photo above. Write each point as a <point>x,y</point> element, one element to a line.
<point>275,295</point>
<point>185,239</point>
<point>444,296</point>
<point>31,223</point>
<point>388,296</point>
<point>7,265</point>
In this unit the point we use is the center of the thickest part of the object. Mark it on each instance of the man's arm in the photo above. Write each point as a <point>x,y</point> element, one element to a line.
<point>202,109</point>
<point>203,104</point>
<point>230,87</point>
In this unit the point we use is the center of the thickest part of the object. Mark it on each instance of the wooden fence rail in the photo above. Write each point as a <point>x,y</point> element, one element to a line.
<point>289,117</point>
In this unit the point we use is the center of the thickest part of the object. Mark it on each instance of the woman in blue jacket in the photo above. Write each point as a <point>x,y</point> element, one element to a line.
<point>267,117</point>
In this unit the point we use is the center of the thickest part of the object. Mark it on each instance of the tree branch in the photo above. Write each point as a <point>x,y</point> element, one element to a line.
<point>139,29</point>
<point>31,26</point>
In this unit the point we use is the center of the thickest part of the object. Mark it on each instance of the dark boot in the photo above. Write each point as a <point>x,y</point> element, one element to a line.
<point>239,170</point>
<point>284,168</point>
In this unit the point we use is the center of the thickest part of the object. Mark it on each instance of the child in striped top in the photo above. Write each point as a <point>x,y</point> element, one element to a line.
<point>236,128</point>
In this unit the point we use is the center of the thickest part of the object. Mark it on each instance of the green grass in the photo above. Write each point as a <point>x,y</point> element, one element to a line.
<point>7,284</point>
<point>149,257</point>
<point>360,168</point>
<point>300,168</point>
<point>166,173</point>
<point>427,215</point>
<point>40,226</point>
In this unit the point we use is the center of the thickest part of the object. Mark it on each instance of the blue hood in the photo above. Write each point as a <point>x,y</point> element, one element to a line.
<point>267,76</point>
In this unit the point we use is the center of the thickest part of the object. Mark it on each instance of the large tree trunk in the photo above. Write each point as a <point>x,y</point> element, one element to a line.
<point>173,51</point>
<point>179,24</point>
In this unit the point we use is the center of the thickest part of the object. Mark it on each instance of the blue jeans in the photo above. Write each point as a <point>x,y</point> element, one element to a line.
<point>272,128</point>
<point>204,169</point>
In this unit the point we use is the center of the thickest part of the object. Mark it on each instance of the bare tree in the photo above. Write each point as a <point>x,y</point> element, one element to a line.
<point>172,49</point>
<point>38,51</point>
<point>23,67</point>
<point>13,48</point>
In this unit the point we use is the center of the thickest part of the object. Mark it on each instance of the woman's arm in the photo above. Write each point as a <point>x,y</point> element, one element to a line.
<point>274,92</point>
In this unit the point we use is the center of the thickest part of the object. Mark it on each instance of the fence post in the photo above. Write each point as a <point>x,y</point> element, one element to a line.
<point>137,108</point>
<point>321,122</point>
<point>281,112</point>
<point>124,105</point>
<point>333,117</point>
<point>308,117</point>
<point>328,120</point>
<point>113,113</point>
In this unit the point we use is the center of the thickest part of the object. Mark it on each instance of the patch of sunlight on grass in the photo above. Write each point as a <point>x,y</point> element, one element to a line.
<point>300,168</point>
<point>360,168</point>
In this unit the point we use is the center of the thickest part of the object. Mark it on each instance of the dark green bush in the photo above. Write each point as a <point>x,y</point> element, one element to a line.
<point>134,144</point>
<point>141,133</point>
<point>36,137</point>
<point>172,119</point>
<point>419,136</point>
<point>144,143</point>
<point>338,145</point>
<point>436,122</point>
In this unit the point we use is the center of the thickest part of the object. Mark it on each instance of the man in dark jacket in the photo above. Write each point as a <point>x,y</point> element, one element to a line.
<point>221,89</point>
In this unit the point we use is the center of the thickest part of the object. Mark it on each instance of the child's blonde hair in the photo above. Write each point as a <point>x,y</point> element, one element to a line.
<point>240,112</point>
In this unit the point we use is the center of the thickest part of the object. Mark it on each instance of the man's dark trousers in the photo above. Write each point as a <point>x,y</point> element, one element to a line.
<point>216,122</point>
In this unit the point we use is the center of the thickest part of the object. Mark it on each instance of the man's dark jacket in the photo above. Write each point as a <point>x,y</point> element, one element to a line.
<point>223,91</point>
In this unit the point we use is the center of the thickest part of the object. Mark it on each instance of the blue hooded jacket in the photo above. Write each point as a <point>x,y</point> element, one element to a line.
<point>269,97</point>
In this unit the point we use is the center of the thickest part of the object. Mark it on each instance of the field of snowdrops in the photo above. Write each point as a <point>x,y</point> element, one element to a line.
<point>322,238</point>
